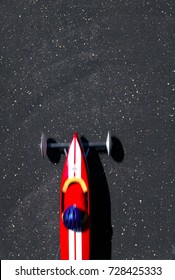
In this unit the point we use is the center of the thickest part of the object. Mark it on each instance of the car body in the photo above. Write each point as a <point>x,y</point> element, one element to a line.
<point>75,196</point>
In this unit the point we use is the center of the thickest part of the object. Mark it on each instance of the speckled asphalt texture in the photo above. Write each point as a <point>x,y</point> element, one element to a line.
<point>89,66</point>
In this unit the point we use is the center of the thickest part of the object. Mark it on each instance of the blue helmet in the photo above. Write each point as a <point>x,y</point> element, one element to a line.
<point>74,218</point>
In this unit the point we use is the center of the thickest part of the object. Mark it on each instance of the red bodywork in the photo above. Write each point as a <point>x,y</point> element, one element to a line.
<point>75,191</point>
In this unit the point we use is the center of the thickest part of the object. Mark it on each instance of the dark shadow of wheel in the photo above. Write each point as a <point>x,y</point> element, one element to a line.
<point>117,151</point>
<point>54,155</point>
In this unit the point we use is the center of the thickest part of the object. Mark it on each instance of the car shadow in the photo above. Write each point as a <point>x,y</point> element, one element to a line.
<point>101,229</point>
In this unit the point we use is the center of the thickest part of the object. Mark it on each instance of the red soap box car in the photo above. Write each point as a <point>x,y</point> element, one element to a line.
<point>75,197</point>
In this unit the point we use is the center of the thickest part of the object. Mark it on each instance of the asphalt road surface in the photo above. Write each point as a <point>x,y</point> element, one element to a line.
<point>89,66</point>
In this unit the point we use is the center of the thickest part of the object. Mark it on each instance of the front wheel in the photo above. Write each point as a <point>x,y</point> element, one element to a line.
<point>43,145</point>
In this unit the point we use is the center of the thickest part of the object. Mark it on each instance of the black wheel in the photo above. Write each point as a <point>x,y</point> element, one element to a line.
<point>43,145</point>
<point>109,143</point>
